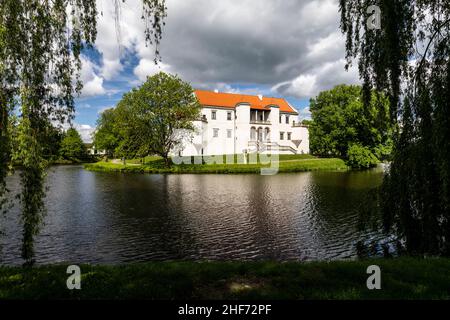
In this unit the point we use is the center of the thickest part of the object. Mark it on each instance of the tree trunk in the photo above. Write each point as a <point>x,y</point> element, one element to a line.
<point>166,160</point>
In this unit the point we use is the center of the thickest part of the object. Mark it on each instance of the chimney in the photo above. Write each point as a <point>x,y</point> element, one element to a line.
<point>260,96</point>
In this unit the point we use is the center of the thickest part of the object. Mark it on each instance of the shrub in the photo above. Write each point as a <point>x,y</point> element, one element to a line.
<point>360,157</point>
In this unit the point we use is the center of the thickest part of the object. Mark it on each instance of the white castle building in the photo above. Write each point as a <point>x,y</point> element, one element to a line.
<point>237,123</point>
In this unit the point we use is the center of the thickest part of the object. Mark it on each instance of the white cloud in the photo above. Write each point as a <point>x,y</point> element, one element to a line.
<point>327,48</point>
<point>324,77</point>
<point>147,68</point>
<point>319,13</point>
<point>305,113</point>
<point>92,83</point>
<point>292,46</point>
<point>84,130</point>
<point>94,87</point>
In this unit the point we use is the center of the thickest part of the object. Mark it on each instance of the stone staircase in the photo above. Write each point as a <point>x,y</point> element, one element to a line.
<point>263,146</point>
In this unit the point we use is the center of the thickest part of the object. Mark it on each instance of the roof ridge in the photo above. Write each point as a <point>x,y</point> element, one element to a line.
<point>230,100</point>
<point>243,94</point>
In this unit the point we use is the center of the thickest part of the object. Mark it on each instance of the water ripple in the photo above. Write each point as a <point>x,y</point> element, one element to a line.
<point>109,218</point>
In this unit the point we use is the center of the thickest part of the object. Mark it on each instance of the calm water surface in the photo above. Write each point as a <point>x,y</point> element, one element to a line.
<point>115,218</point>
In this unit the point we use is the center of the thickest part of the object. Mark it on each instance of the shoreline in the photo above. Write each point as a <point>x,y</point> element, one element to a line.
<point>282,166</point>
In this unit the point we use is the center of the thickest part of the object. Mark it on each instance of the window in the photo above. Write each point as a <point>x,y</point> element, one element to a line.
<point>229,116</point>
<point>287,119</point>
<point>281,135</point>
<point>267,134</point>
<point>213,115</point>
<point>229,133</point>
<point>289,136</point>
<point>215,133</point>
<point>253,134</point>
<point>280,119</point>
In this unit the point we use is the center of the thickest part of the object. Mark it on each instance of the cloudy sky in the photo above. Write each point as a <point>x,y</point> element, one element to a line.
<point>283,48</point>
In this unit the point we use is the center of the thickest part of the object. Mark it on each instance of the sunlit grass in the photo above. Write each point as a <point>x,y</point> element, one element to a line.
<point>284,163</point>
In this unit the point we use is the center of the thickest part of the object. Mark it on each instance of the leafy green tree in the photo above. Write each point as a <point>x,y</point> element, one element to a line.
<point>360,157</point>
<point>40,46</point>
<point>72,146</point>
<point>408,59</point>
<point>5,147</point>
<point>106,136</point>
<point>306,122</point>
<point>154,118</point>
<point>53,141</point>
<point>340,120</point>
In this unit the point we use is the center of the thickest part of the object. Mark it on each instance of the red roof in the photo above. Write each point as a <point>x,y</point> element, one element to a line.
<point>231,100</point>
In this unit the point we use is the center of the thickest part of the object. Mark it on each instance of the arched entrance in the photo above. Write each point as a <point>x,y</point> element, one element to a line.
<point>260,134</point>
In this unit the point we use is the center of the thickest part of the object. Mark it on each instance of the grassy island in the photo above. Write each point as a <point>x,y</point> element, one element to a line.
<point>285,163</point>
<point>402,278</point>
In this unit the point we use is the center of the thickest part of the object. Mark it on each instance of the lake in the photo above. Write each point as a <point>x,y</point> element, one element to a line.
<point>119,218</point>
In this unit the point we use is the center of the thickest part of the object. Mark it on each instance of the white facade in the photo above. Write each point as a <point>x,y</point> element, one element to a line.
<point>246,128</point>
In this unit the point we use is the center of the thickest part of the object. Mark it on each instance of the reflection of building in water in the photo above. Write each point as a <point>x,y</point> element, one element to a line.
<point>237,123</point>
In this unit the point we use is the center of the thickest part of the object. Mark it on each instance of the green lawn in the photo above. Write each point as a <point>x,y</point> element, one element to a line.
<point>286,163</point>
<point>403,278</point>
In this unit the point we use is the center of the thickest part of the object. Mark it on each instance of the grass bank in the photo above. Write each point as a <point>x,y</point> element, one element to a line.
<point>286,163</point>
<point>403,278</point>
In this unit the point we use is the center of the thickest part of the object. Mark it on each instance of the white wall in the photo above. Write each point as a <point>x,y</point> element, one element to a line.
<point>222,144</point>
<point>240,132</point>
<point>242,127</point>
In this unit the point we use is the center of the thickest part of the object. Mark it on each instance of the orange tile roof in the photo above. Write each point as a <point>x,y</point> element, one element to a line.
<point>230,100</point>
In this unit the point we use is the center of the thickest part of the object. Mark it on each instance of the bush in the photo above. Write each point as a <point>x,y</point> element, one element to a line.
<point>360,157</point>
<point>383,151</point>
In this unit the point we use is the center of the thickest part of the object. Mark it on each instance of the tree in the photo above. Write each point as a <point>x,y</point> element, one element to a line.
<point>72,146</point>
<point>408,59</point>
<point>40,46</point>
<point>154,118</point>
<point>306,122</point>
<point>340,121</point>
<point>360,157</point>
<point>5,147</point>
<point>106,136</point>
<point>52,144</point>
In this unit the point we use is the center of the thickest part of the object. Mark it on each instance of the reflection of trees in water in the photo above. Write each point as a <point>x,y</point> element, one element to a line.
<point>104,218</point>
<point>347,209</point>
<point>154,203</point>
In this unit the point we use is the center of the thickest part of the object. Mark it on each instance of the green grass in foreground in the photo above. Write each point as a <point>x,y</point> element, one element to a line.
<point>286,163</point>
<point>403,278</point>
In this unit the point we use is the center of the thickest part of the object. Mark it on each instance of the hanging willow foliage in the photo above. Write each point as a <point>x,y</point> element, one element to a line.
<point>409,59</point>
<point>40,46</point>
